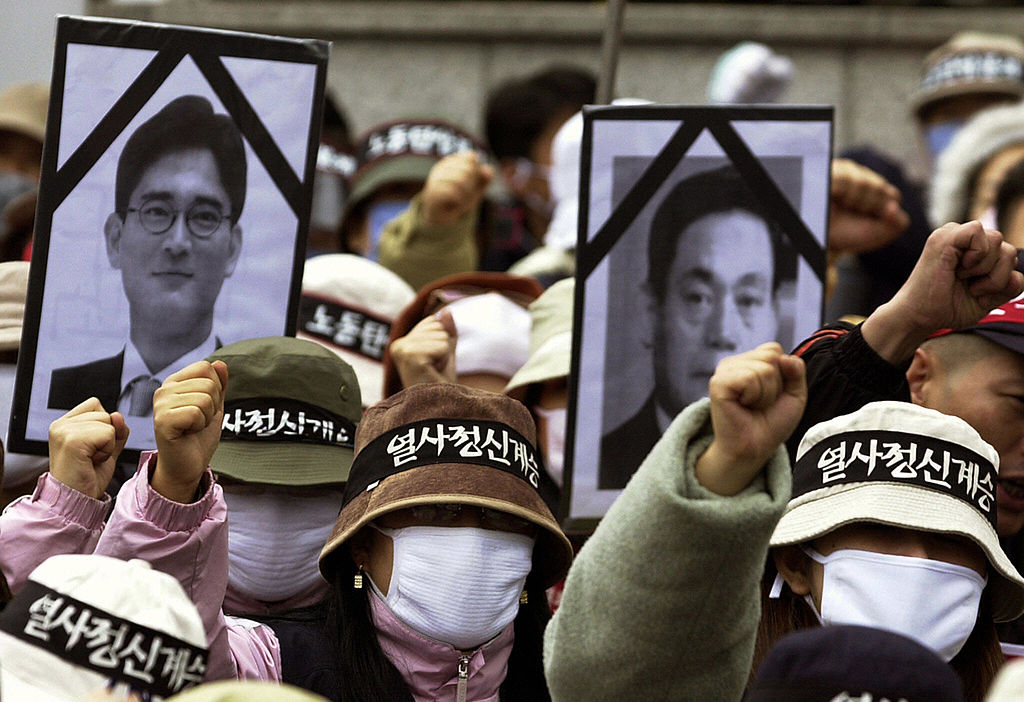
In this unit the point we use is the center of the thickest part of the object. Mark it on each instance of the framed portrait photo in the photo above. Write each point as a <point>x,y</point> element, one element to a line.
<point>701,235</point>
<point>173,208</point>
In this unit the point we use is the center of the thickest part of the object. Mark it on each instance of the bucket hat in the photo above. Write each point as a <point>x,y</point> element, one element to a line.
<point>550,337</point>
<point>902,465</point>
<point>448,444</point>
<point>290,413</point>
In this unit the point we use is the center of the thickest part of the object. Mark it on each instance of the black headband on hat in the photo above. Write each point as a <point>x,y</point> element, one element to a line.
<point>345,327</point>
<point>433,441</point>
<point>108,645</point>
<point>282,419</point>
<point>900,458</point>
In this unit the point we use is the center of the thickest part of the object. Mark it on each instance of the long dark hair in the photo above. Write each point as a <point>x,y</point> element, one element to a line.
<point>365,673</point>
<point>977,662</point>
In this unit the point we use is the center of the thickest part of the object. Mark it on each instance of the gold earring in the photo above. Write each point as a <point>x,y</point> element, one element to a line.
<point>357,581</point>
<point>524,598</point>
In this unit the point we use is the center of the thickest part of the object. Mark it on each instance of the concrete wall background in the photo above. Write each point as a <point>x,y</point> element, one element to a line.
<point>26,37</point>
<point>414,57</point>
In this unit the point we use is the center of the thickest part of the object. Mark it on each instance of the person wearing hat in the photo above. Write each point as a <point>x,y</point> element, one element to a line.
<point>968,173</point>
<point>415,197</point>
<point>887,520</point>
<point>348,305</point>
<point>170,513</point>
<point>85,622</point>
<point>442,551</point>
<point>290,417</point>
<point>964,285</point>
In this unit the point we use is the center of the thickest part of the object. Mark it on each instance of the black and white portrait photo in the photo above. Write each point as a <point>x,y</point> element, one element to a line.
<point>691,257</point>
<point>174,199</point>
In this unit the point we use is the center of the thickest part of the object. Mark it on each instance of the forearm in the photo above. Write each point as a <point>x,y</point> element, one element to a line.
<point>420,253</point>
<point>672,568</point>
<point>54,519</point>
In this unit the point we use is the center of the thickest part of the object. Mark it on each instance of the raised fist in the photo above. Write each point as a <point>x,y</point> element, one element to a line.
<point>84,446</point>
<point>455,186</point>
<point>188,413</point>
<point>757,399</point>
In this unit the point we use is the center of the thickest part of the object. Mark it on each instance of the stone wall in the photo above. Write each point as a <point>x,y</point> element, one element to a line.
<point>415,57</point>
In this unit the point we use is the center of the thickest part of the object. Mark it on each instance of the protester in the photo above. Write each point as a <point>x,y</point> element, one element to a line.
<point>414,199</point>
<point>970,72</point>
<point>23,108</point>
<point>542,382</point>
<point>82,623</point>
<point>446,335</point>
<point>290,416</point>
<point>440,558</point>
<point>521,117</point>
<point>970,170</point>
<point>348,305</point>
<point>975,373</point>
<point>170,513</point>
<point>886,537</point>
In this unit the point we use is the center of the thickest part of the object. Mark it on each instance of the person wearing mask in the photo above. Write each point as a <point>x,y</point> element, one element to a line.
<point>969,73</point>
<point>952,339</point>
<point>442,551</point>
<point>968,173</point>
<point>887,521</point>
<point>171,513</point>
<point>414,199</point>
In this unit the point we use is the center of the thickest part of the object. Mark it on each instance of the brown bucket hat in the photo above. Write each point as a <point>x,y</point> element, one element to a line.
<point>444,444</point>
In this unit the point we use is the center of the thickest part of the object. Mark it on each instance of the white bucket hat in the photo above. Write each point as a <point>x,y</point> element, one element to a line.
<point>348,306</point>
<point>84,620</point>
<point>902,465</point>
<point>550,337</point>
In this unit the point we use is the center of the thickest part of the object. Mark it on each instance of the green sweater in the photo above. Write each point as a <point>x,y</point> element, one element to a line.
<point>420,253</point>
<point>663,601</point>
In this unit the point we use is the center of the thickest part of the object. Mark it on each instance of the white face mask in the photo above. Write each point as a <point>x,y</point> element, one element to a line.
<point>458,585</point>
<point>932,602</point>
<point>274,539</point>
<point>554,441</point>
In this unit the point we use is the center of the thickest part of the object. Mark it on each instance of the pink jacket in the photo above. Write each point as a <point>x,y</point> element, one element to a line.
<point>188,541</point>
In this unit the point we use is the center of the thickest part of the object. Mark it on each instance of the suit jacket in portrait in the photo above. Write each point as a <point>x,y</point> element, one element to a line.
<point>72,385</point>
<point>625,447</point>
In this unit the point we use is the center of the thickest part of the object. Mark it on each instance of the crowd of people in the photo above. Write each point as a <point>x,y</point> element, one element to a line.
<point>373,509</point>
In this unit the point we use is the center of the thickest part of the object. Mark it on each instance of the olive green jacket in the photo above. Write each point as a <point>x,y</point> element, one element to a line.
<point>663,601</point>
<point>420,253</point>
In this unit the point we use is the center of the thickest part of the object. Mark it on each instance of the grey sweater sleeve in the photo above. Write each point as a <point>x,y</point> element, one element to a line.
<point>663,601</point>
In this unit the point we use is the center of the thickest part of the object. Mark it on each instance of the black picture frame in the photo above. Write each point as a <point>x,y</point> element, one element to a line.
<point>614,214</point>
<point>109,76</point>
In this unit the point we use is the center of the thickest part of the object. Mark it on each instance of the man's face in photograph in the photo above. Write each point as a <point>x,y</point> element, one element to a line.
<point>718,301</point>
<point>173,276</point>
